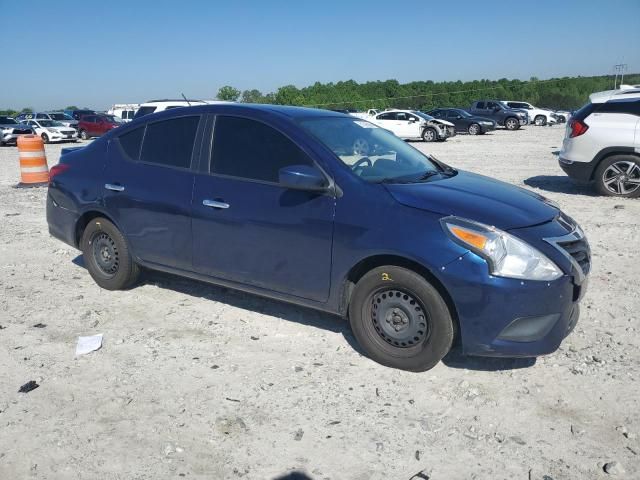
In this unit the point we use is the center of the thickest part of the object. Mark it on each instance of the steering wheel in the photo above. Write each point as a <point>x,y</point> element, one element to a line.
<point>360,163</point>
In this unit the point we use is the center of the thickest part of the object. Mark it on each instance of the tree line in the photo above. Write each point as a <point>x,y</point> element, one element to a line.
<point>567,93</point>
<point>557,93</point>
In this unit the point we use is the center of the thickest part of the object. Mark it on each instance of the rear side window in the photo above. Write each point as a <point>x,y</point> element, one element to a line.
<point>621,106</point>
<point>142,111</point>
<point>131,142</point>
<point>249,149</point>
<point>480,105</point>
<point>170,142</point>
<point>387,116</point>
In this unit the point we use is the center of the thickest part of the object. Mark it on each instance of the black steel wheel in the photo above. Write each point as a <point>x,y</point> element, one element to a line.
<point>107,256</point>
<point>400,319</point>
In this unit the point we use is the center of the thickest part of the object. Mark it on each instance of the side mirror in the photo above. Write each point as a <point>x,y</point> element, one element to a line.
<point>302,177</point>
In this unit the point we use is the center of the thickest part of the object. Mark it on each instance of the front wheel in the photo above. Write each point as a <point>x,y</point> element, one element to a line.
<point>84,135</point>
<point>429,135</point>
<point>619,176</point>
<point>107,256</point>
<point>400,319</point>
<point>512,123</point>
<point>474,129</point>
<point>540,120</point>
<point>45,138</point>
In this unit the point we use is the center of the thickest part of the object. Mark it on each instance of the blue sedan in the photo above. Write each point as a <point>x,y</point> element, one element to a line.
<point>331,212</point>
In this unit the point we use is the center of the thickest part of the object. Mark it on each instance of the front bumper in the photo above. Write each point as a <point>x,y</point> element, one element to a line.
<point>10,138</point>
<point>62,138</point>
<point>510,317</point>
<point>523,121</point>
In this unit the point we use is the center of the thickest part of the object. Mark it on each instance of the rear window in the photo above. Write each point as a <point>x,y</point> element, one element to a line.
<point>131,142</point>
<point>142,111</point>
<point>584,112</point>
<point>170,142</point>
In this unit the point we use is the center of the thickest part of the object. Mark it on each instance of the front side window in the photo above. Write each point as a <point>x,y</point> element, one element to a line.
<point>170,142</point>
<point>480,105</point>
<point>387,116</point>
<point>249,149</point>
<point>374,154</point>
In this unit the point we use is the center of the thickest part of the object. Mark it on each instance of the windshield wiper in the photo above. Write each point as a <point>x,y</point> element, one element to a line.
<point>410,179</point>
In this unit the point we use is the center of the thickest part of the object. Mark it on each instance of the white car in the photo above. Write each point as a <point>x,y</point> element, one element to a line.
<point>372,112</point>
<point>563,115</point>
<point>602,142</point>
<point>156,106</point>
<point>124,111</point>
<point>53,131</point>
<point>414,125</point>
<point>537,116</point>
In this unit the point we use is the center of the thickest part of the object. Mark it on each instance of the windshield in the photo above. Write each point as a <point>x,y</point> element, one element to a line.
<point>7,121</point>
<point>424,115</point>
<point>50,123</point>
<point>60,116</point>
<point>373,153</point>
<point>112,118</point>
<point>142,111</point>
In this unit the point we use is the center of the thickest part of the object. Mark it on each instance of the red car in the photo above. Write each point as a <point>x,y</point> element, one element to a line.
<point>95,125</point>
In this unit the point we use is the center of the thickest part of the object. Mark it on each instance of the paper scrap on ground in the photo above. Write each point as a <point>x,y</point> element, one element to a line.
<point>88,344</point>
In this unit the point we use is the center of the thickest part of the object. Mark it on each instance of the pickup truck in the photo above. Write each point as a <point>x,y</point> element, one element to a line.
<point>510,118</point>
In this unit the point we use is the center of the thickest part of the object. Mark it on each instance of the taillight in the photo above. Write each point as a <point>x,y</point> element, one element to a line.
<point>57,169</point>
<point>578,127</point>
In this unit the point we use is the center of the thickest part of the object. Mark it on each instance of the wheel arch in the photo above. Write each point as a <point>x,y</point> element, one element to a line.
<point>367,264</point>
<point>84,220</point>
<point>605,153</point>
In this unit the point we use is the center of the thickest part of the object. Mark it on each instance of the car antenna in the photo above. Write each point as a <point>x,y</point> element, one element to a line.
<point>185,99</point>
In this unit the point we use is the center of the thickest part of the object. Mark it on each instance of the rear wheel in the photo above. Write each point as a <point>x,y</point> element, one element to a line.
<point>619,176</point>
<point>474,129</point>
<point>429,135</point>
<point>540,120</point>
<point>107,256</point>
<point>512,123</point>
<point>400,319</point>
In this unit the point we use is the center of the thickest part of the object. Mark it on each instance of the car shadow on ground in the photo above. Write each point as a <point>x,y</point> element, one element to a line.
<point>304,316</point>
<point>559,184</point>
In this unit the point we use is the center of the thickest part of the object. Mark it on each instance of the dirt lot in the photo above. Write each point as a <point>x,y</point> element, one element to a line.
<point>195,381</point>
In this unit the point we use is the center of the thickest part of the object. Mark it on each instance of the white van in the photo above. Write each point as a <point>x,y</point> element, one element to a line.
<point>124,111</point>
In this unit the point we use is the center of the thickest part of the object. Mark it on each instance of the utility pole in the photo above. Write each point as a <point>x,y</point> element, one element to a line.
<point>620,69</point>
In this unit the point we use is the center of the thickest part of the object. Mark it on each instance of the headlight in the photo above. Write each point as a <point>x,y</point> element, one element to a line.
<point>506,255</point>
<point>51,130</point>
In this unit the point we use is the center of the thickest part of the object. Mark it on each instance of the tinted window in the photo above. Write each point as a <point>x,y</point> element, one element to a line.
<point>170,142</point>
<point>492,105</point>
<point>249,149</point>
<point>131,142</point>
<point>621,106</point>
<point>387,116</point>
<point>142,111</point>
<point>480,105</point>
<point>42,115</point>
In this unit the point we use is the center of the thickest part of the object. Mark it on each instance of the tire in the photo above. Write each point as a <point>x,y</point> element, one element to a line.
<point>107,256</point>
<point>84,135</point>
<point>474,129</point>
<point>429,135</point>
<point>540,120</point>
<point>512,123</point>
<point>400,320</point>
<point>619,176</point>
<point>45,138</point>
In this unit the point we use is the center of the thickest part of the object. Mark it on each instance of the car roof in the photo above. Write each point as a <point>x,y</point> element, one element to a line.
<point>624,92</point>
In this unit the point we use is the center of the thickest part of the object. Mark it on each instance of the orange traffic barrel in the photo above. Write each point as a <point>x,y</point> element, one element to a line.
<point>33,161</point>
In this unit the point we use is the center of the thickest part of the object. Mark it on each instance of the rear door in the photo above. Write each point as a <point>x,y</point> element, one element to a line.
<point>249,229</point>
<point>148,184</point>
<point>388,120</point>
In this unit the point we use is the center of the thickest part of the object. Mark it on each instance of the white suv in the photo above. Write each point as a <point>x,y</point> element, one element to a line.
<point>537,116</point>
<point>602,142</point>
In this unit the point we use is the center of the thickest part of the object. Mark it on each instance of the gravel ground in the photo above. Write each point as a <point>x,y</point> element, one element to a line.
<point>195,381</point>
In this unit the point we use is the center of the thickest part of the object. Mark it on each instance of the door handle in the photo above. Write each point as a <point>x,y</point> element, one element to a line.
<point>113,187</point>
<point>215,204</point>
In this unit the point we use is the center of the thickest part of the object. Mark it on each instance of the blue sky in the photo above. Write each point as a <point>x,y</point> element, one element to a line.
<point>94,54</point>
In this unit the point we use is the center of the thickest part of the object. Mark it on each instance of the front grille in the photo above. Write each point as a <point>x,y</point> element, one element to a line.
<point>579,251</point>
<point>68,132</point>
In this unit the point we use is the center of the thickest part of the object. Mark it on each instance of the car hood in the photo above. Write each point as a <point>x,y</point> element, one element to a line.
<point>478,198</point>
<point>442,122</point>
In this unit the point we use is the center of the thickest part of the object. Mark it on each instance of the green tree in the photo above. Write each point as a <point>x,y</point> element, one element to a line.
<point>228,93</point>
<point>71,107</point>
<point>252,96</point>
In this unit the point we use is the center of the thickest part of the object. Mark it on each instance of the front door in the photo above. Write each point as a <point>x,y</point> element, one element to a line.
<point>249,229</point>
<point>148,186</point>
